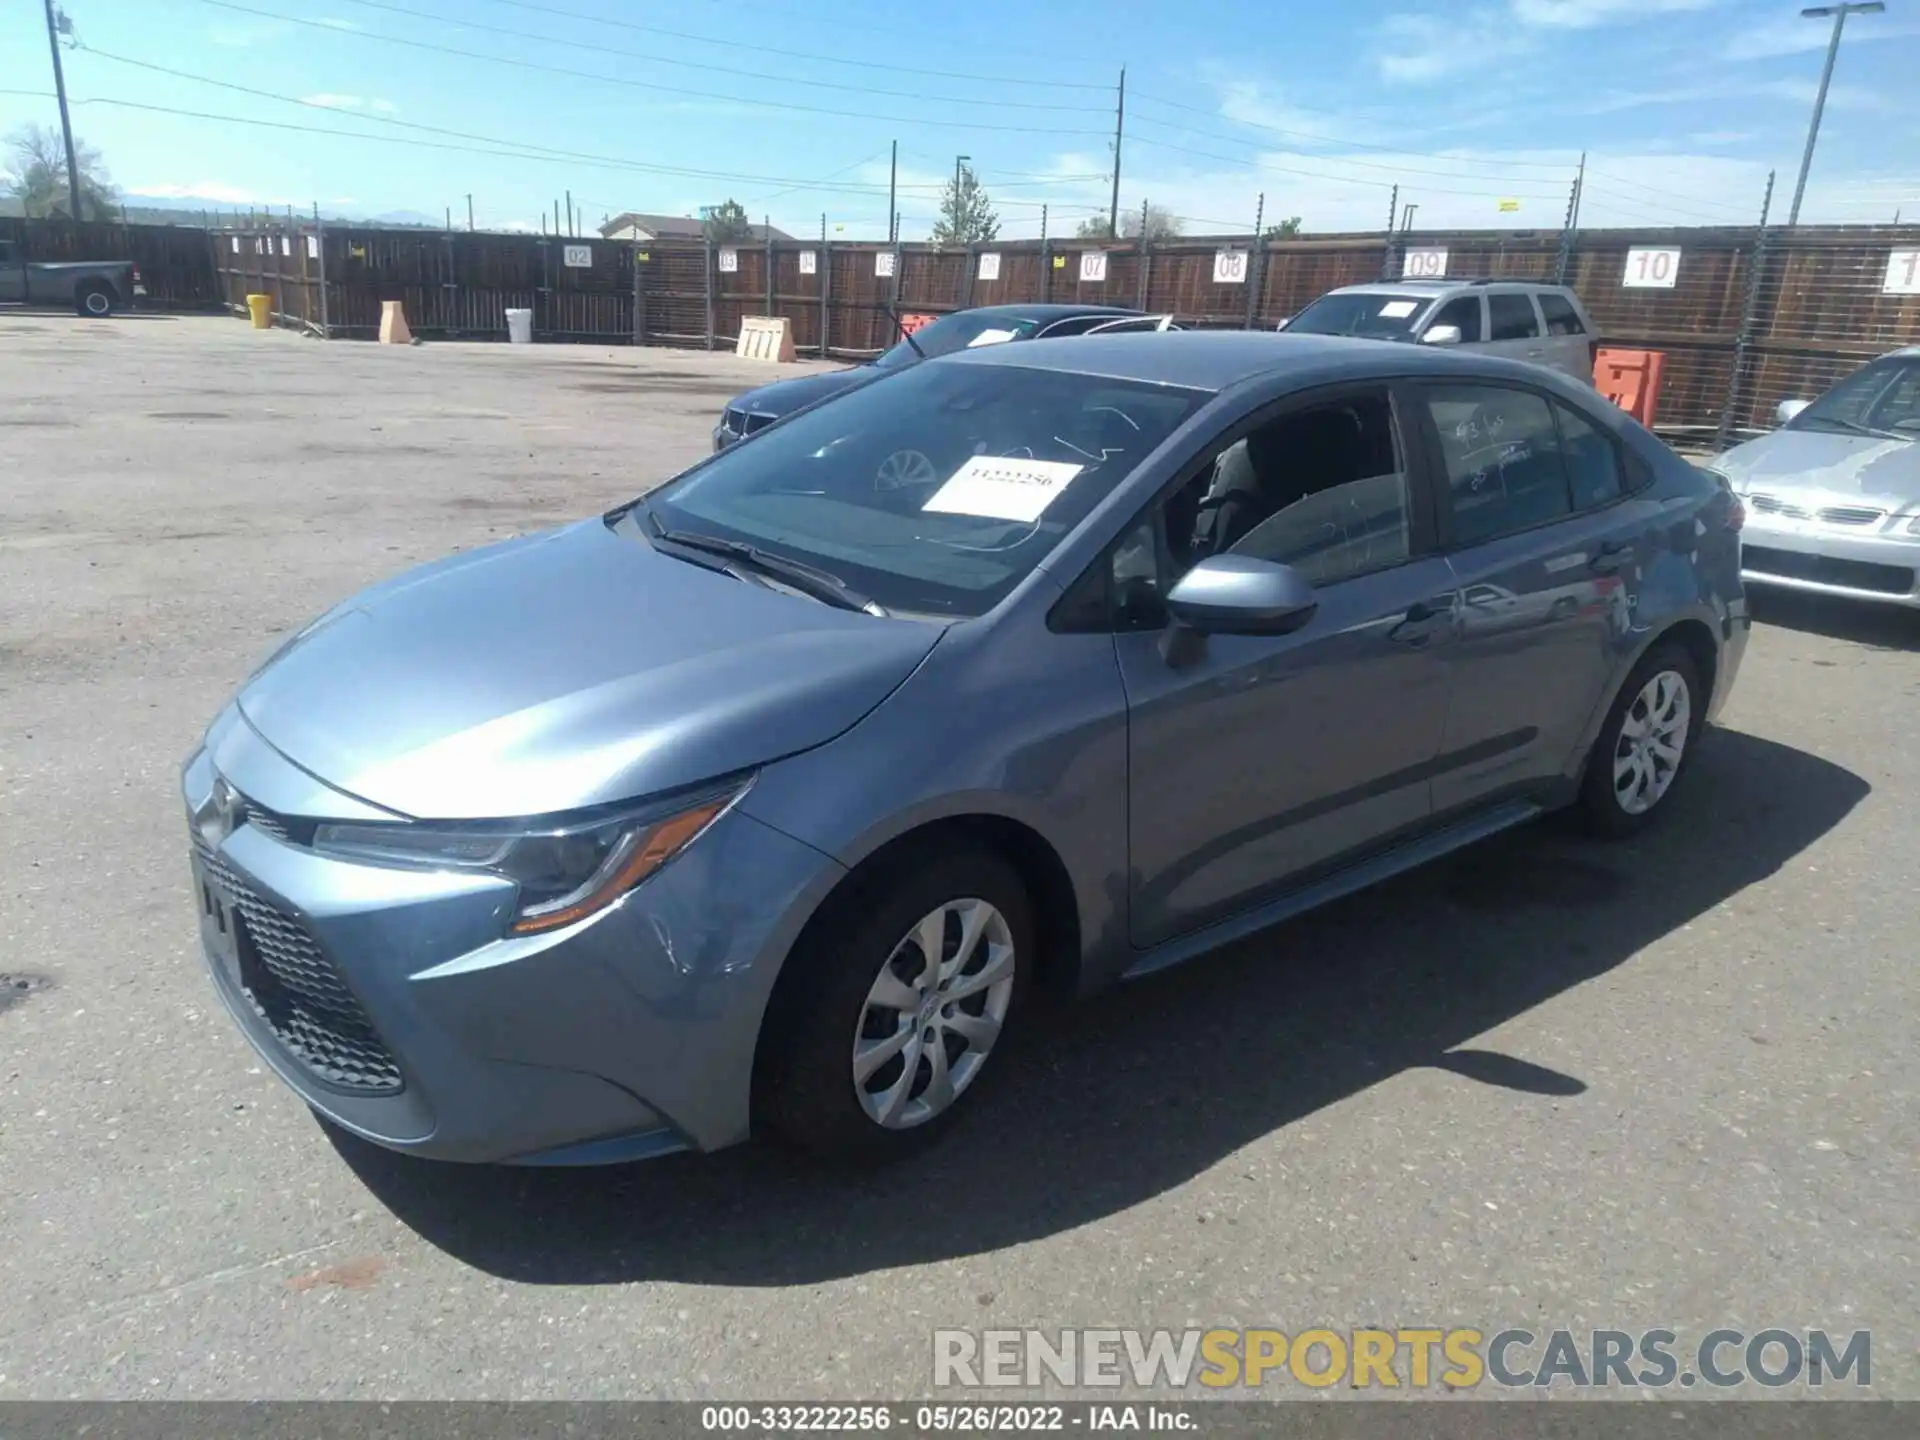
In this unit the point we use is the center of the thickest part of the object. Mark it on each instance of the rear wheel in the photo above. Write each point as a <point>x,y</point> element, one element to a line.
<point>1644,747</point>
<point>893,1012</point>
<point>94,301</point>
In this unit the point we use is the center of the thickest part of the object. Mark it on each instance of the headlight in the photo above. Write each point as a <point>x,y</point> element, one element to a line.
<point>1913,526</point>
<point>566,871</point>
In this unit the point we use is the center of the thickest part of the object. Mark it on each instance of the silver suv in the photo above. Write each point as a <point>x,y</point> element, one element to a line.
<point>1521,320</point>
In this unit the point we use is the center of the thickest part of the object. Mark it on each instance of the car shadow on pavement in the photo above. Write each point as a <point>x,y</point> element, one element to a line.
<point>1153,1083</point>
<point>1879,627</point>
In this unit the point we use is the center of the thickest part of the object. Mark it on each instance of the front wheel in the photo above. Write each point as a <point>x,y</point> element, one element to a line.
<point>894,1011</point>
<point>95,302</point>
<point>1643,748</point>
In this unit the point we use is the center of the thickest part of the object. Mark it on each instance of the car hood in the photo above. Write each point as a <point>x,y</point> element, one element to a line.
<point>1820,462</point>
<point>567,669</point>
<point>783,397</point>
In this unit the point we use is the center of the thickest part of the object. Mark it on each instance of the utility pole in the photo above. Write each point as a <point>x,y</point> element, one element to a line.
<point>572,228</point>
<point>1839,14</point>
<point>1406,217</point>
<point>55,22</point>
<point>1119,132</point>
<point>893,182</point>
<point>469,211</point>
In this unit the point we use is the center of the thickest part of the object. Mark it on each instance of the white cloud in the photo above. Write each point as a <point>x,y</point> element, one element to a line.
<point>1718,137</point>
<point>1796,34</point>
<point>350,102</point>
<point>213,192</point>
<point>244,36</point>
<point>1586,14</point>
<point>1419,48</point>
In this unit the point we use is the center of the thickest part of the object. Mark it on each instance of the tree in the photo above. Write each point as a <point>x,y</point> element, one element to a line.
<point>1161,223</point>
<point>37,175</point>
<point>967,216</point>
<point>1094,228</point>
<point>727,223</point>
<point>1287,229</point>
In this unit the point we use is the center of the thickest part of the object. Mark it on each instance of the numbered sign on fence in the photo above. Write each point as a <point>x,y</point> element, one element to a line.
<point>729,261</point>
<point>1903,273</point>
<point>286,246</point>
<point>883,263</point>
<point>809,262</point>
<point>990,265</point>
<point>1229,267</point>
<point>577,257</point>
<point>1093,267</point>
<point>313,247</point>
<point>1425,264</point>
<point>1651,269</point>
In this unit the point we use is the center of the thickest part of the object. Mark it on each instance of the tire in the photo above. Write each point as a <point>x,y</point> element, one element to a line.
<point>810,1090</point>
<point>95,302</point>
<point>1630,779</point>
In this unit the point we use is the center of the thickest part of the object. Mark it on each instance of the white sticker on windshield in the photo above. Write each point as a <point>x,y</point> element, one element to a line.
<point>990,337</point>
<point>995,487</point>
<point>1399,309</point>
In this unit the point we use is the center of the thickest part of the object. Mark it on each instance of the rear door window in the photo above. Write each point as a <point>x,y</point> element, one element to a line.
<point>1505,472</point>
<point>1512,317</point>
<point>1562,318</point>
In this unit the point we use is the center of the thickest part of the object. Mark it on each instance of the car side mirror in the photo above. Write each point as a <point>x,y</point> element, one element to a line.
<point>1242,595</point>
<point>1283,322</point>
<point>1790,408</point>
<point>1441,335</point>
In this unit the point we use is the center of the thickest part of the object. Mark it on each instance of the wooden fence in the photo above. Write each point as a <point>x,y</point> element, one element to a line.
<point>1746,317</point>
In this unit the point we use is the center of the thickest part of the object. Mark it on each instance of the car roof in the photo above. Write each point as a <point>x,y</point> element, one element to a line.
<point>1212,360</point>
<point>1430,288</point>
<point>1052,310</point>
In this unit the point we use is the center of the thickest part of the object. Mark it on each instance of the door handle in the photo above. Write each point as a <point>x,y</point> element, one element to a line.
<point>1611,555</point>
<point>1417,626</point>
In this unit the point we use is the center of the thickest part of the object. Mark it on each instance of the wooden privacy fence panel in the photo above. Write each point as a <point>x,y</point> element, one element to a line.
<point>173,259</point>
<point>1746,318</point>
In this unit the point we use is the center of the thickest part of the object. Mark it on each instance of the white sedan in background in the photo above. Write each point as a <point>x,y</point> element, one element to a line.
<point>1833,496</point>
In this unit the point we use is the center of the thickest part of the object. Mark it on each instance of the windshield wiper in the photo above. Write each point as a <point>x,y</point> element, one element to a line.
<point>1851,427</point>
<point>819,584</point>
<point>905,334</point>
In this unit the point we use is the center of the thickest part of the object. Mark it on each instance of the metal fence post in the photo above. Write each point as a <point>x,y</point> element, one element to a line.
<point>639,295</point>
<point>706,253</point>
<point>966,280</point>
<point>1253,259</point>
<point>326,327</point>
<point>826,289</point>
<point>769,269</point>
<point>1046,259</point>
<point>1393,219</point>
<point>1743,341</point>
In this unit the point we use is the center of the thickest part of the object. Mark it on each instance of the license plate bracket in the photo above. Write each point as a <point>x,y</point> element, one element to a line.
<point>219,921</point>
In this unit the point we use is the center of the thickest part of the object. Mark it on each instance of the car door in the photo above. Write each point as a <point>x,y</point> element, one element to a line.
<point>13,272</point>
<point>1546,545</point>
<point>1514,331</point>
<point>1257,760</point>
<point>1570,347</point>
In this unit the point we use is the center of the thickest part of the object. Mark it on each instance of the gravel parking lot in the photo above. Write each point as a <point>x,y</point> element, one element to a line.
<point>1671,1083</point>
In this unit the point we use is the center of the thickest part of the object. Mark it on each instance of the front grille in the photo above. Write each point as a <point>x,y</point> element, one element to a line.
<point>1851,515</point>
<point>1831,515</point>
<point>296,990</point>
<point>1824,570</point>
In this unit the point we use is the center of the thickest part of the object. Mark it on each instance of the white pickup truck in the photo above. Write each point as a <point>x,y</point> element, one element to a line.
<point>92,287</point>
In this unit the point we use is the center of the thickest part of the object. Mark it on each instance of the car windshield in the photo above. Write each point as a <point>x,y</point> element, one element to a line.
<point>961,331</point>
<point>1883,399</point>
<point>936,491</point>
<point>1372,315</point>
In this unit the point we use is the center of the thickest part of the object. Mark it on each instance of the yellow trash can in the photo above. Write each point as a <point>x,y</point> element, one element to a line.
<point>260,307</point>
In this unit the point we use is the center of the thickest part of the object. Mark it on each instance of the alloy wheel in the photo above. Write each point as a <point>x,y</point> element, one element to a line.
<point>1653,738</point>
<point>933,1014</point>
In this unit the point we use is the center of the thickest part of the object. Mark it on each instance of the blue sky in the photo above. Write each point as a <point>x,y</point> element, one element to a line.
<point>1683,106</point>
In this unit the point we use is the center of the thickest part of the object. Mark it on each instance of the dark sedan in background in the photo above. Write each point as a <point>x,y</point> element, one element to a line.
<point>962,330</point>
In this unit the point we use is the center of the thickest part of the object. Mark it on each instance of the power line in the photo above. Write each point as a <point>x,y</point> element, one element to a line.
<point>716,69</point>
<point>1482,175</point>
<point>640,85</point>
<point>793,54</point>
<point>1335,140</point>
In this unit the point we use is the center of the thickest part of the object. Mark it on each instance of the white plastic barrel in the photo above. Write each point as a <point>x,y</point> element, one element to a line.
<point>520,327</point>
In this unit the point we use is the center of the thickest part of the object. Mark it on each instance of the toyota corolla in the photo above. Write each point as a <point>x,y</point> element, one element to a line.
<point>772,802</point>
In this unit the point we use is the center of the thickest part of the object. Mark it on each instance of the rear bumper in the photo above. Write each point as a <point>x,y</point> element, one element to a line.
<point>1882,565</point>
<point>628,1035</point>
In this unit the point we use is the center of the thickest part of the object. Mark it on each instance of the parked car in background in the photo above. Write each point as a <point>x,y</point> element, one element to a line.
<point>1514,319</point>
<point>964,329</point>
<point>1175,641</point>
<point>91,287</point>
<point>1833,495</point>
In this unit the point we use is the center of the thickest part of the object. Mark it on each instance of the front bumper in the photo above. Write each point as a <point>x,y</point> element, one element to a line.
<point>628,1035</point>
<point>1879,561</point>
